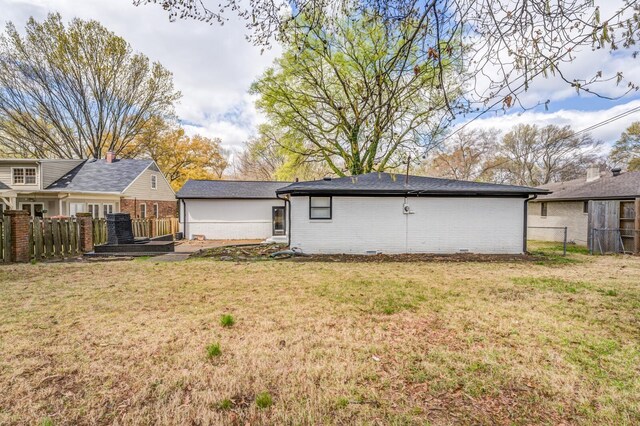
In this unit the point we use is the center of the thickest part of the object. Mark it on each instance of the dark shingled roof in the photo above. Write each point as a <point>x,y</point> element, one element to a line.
<point>388,184</point>
<point>100,176</point>
<point>3,186</point>
<point>625,185</point>
<point>229,189</point>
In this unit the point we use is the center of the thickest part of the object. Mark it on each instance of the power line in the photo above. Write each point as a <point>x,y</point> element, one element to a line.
<point>586,129</point>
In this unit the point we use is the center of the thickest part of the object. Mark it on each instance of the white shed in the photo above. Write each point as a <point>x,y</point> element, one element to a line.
<point>232,210</point>
<point>387,213</point>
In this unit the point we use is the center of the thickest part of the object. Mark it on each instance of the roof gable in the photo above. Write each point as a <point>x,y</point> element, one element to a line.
<point>100,176</point>
<point>229,189</point>
<point>389,184</point>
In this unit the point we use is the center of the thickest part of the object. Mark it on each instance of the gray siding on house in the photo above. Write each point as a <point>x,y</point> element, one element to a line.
<point>52,170</point>
<point>141,187</point>
<point>6,178</point>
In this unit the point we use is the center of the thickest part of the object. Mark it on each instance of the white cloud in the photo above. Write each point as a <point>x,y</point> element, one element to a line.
<point>213,65</point>
<point>577,119</point>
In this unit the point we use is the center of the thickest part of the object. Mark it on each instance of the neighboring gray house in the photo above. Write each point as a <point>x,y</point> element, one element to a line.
<point>607,200</point>
<point>47,187</point>
<point>232,210</point>
<point>383,213</point>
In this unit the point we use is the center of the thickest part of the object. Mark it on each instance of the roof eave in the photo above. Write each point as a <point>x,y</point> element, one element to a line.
<point>303,192</point>
<point>200,197</point>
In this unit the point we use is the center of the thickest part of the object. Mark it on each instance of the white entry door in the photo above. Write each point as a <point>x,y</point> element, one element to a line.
<point>34,209</point>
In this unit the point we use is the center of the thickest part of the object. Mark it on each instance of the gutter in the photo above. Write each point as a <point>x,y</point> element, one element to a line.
<point>524,228</point>
<point>287,204</point>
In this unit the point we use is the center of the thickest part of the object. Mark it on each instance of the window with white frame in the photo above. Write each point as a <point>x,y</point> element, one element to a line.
<point>319,207</point>
<point>107,209</point>
<point>155,210</point>
<point>154,182</point>
<point>143,211</point>
<point>24,175</point>
<point>94,209</point>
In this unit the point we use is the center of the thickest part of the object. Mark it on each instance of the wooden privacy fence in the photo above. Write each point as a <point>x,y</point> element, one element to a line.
<point>152,227</point>
<point>51,238</point>
<point>99,231</point>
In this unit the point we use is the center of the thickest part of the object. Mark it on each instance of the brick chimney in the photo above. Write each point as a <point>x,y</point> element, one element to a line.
<point>593,173</point>
<point>111,156</point>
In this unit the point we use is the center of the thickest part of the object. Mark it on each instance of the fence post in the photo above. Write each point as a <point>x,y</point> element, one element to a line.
<point>636,234</point>
<point>564,244</point>
<point>153,227</point>
<point>85,229</point>
<point>18,248</point>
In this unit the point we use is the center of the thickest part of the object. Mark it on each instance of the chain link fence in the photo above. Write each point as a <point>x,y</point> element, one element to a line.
<point>548,239</point>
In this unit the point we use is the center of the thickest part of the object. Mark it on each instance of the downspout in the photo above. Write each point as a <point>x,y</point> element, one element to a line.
<point>287,206</point>
<point>184,220</point>
<point>524,229</point>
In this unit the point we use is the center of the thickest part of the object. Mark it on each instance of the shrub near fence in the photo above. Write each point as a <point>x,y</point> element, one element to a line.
<point>52,237</point>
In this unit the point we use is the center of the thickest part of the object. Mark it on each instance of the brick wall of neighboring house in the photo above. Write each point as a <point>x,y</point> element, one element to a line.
<point>132,206</point>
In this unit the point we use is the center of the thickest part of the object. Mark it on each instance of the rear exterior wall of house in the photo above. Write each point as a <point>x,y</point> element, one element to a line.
<point>559,214</point>
<point>434,225</point>
<point>228,219</point>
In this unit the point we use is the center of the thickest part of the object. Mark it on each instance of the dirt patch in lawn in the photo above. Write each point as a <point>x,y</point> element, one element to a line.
<point>261,252</point>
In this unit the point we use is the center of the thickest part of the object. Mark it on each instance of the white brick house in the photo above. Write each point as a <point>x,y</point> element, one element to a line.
<point>381,213</point>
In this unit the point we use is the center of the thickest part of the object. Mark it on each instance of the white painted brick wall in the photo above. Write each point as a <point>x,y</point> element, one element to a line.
<point>229,219</point>
<point>559,213</point>
<point>438,225</point>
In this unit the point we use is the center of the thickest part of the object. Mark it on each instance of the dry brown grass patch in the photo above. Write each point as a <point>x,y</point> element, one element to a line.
<point>331,343</point>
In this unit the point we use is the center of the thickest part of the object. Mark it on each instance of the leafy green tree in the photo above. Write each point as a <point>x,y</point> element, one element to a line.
<point>626,150</point>
<point>358,97</point>
<point>76,91</point>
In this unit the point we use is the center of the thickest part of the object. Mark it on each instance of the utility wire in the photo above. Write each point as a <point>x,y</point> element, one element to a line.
<point>586,129</point>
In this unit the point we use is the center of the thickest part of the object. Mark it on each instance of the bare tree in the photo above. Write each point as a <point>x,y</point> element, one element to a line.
<point>76,92</point>
<point>468,155</point>
<point>534,156</point>
<point>264,158</point>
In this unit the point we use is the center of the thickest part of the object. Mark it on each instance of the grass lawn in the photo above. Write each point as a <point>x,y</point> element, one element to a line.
<point>209,342</point>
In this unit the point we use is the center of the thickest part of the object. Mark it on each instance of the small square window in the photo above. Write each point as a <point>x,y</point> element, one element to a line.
<point>154,182</point>
<point>320,207</point>
<point>543,209</point>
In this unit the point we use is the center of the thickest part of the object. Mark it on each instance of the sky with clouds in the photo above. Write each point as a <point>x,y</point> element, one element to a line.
<point>214,65</point>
